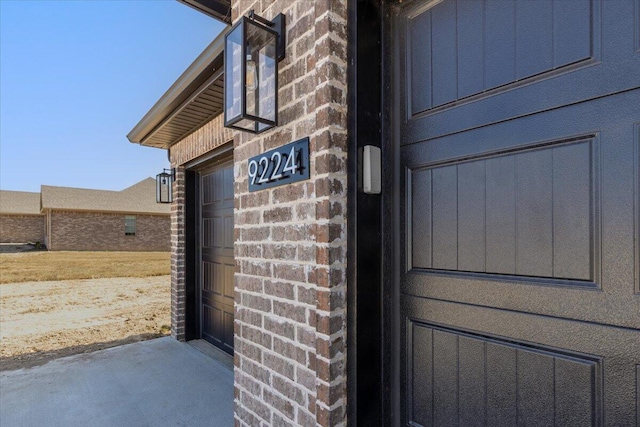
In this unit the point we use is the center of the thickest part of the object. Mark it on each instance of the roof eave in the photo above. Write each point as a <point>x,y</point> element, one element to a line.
<point>218,9</point>
<point>191,79</point>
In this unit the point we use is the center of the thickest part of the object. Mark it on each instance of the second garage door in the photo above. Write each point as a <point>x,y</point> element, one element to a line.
<point>217,264</point>
<point>519,151</point>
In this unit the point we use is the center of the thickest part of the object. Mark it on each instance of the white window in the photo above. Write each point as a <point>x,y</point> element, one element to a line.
<point>130,225</point>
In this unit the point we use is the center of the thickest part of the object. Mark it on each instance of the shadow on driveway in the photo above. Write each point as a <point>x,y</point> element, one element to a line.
<point>161,382</point>
<point>29,360</point>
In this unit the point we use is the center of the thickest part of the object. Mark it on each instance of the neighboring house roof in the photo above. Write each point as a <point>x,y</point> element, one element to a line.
<point>19,202</point>
<point>139,198</point>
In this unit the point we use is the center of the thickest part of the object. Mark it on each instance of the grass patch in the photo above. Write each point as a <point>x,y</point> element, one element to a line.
<point>63,265</point>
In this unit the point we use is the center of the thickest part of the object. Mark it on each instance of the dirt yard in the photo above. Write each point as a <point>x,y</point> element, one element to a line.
<point>40,321</point>
<point>37,266</point>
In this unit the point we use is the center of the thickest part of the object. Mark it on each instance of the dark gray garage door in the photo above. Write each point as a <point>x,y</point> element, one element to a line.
<point>519,129</point>
<point>217,263</point>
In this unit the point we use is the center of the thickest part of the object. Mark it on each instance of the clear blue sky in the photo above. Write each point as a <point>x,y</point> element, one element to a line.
<point>76,76</point>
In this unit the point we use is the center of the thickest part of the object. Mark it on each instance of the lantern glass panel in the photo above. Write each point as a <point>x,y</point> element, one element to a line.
<point>233,74</point>
<point>246,124</point>
<point>251,77</point>
<point>261,57</point>
<point>164,190</point>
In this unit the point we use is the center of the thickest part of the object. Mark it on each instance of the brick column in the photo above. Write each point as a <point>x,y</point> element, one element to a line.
<point>290,319</point>
<point>178,256</point>
<point>331,209</point>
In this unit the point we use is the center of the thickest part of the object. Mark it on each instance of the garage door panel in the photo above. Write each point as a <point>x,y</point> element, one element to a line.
<point>574,222</point>
<point>518,211</point>
<point>499,50</point>
<point>227,334</point>
<point>483,380</point>
<point>228,277</point>
<point>576,387</point>
<point>538,217</point>
<point>600,348</point>
<point>444,353</point>
<point>208,275</point>
<point>589,44</point>
<point>574,30</point>
<point>472,388</point>
<point>514,326</point>
<point>636,233</point>
<point>521,102</point>
<point>470,52</point>
<point>536,389</point>
<point>501,386</point>
<point>471,216</point>
<point>443,54</point>
<point>534,214</point>
<point>419,34</point>
<point>541,296</point>
<point>420,374</point>
<point>444,208</point>
<point>419,189</point>
<point>216,256</point>
<point>534,38</point>
<point>523,39</point>
<point>580,121</point>
<point>638,394</point>
<point>637,8</point>
<point>500,216</point>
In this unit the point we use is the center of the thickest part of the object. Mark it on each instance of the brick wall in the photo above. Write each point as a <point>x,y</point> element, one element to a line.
<point>212,135</point>
<point>178,253</point>
<point>291,248</point>
<point>21,228</point>
<point>290,300</point>
<point>94,231</point>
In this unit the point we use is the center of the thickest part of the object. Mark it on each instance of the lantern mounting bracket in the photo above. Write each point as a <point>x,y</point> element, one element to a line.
<point>170,172</point>
<point>278,25</point>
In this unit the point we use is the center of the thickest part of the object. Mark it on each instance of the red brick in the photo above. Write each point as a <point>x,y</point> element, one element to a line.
<point>294,272</point>
<point>254,234</point>
<point>97,231</point>
<point>290,389</point>
<point>279,289</point>
<point>256,335</point>
<point>22,228</point>
<point>289,350</point>
<point>280,328</point>
<point>290,311</point>
<point>278,251</point>
<point>279,365</point>
<point>287,259</point>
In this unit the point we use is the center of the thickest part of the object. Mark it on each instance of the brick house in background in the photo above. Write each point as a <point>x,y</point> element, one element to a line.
<point>21,220</point>
<point>78,219</point>
<point>494,280</point>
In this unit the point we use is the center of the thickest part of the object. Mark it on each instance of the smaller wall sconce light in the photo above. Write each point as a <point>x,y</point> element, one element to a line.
<point>252,50</point>
<point>164,186</point>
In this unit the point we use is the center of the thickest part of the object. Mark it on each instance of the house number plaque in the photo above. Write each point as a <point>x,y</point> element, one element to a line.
<point>283,165</point>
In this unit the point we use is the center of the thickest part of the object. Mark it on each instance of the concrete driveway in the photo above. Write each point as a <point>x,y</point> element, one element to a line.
<point>161,382</point>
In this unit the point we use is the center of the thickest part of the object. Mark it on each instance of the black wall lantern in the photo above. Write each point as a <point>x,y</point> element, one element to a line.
<point>164,186</point>
<point>252,50</point>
